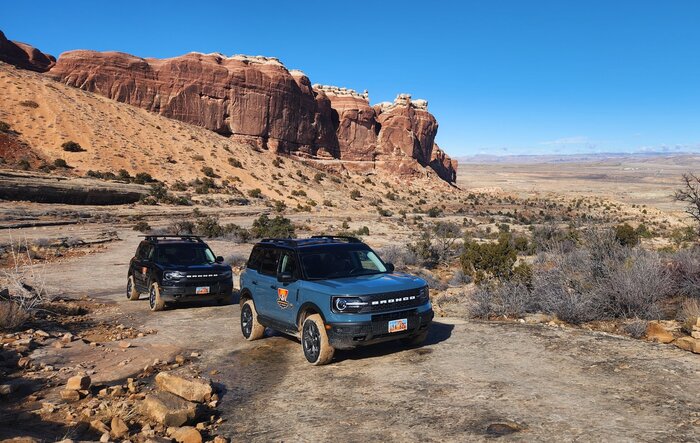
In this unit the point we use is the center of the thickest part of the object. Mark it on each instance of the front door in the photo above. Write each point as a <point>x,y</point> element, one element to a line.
<point>266,290</point>
<point>287,296</point>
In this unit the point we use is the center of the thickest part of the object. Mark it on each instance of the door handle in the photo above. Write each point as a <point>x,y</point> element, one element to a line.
<point>273,287</point>
<point>254,282</point>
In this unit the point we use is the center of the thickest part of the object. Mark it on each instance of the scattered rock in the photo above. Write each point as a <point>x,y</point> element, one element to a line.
<point>70,395</point>
<point>189,389</point>
<point>504,428</point>
<point>67,337</point>
<point>100,427</point>
<point>124,344</point>
<point>186,434</point>
<point>24,362</point>
<point>119,428</point>
<point>657,333</point>
<point>688,344</point>
<point>104,438</point>
<point>180,359</point>
<point>168,409</point>
<point>220,439</point>
<point>78,382</point>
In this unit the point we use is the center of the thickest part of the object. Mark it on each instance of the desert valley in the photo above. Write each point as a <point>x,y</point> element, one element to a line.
<point>566,290</point>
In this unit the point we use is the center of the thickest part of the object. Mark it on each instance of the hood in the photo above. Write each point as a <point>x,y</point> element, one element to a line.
<point>367,284</point>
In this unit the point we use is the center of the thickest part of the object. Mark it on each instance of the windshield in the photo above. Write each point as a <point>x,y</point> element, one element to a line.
<point>184,254</point>
<point>340,263</point>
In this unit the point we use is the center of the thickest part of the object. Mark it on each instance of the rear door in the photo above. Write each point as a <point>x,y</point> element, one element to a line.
<point>266,289</point>
<point>139,270</point>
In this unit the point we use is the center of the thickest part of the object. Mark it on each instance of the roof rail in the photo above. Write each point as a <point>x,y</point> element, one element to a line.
<point>182,237</point>
<point>347,238</point>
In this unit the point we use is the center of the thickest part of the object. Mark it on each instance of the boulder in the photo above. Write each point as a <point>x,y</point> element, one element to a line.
<point>186,434</point>
<point>657,333</point>
<point>168,409</point>
<point>688,344</point>
<point>70,395</point>
<point>190,389</point>
<point>78,382</point>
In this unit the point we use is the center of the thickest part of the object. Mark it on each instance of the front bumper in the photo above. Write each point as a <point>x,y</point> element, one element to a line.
<point>188,293</point>
<point>351,335</point>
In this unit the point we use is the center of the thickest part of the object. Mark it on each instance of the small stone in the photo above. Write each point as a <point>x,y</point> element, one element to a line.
<point>67,337</point>
<point>116,391</point>
<point>201,426</point>
<point>41,333</point>
<point>119,428</point>
<point>657,333</point>
<point>186,434</point>
<point>5,389</point>
<point>78,382</point>
<point>100,427</point>
<point>695,334</point>
<point>194,354</point>
<point>70,395</point>
<point>124,344</point>
<point>189,389</point>
<point>220,439</point>
<point>688,344</point>
<point>180,359</point>
<point>168,409</point>
<point>104,438</point>
<point>24,362</point>
<point>214,371</point>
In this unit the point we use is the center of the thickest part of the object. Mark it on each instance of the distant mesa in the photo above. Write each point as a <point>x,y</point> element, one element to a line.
<point>258,100</point>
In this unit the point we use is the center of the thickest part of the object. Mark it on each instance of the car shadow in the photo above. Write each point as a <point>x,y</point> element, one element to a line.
<point>438,333</point>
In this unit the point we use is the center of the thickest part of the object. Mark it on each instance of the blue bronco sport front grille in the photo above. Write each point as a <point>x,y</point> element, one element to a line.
<point>391,301</point>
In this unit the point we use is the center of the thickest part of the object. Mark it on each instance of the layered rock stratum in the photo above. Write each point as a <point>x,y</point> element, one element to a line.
<point>259,101</point>
<point>24,56</point>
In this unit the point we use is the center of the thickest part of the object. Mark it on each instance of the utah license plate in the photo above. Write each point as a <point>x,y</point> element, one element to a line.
<point>398,325</point>
<point>202,290</point>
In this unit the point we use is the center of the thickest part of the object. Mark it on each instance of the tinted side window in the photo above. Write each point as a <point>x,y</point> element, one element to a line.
<point>254,260</point>
<point>288,264</point>
<point>141,250</point>
<point>268,261</point>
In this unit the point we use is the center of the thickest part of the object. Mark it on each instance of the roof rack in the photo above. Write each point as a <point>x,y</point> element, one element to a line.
<point>196,238</point>
<point>347,238</point>
<point>282,241</point>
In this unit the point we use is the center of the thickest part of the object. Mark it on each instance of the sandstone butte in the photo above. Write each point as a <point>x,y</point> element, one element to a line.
<point>259,101</point>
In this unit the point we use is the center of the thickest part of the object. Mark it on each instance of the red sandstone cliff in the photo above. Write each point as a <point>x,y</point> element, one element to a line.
<point>24,56</point>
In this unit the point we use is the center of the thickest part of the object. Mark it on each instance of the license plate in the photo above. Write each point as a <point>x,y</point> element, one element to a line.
<point>398,325</point>
<point>202,290</point>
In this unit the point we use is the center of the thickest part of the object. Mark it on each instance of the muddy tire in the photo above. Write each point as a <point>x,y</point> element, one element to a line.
<point>250,327</point>
<point>314,341</point>
<point>415,340</point>
<point>131,292</point>
<point>155,301</point>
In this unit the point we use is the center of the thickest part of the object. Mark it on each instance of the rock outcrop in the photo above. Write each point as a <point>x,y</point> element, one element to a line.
<point>24,56</point>
<point>259,101</point>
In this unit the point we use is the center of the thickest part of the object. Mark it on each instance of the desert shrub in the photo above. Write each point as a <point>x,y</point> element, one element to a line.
<point>280,206</point>
<point>459,278</point>
<point>182,227</point>
<point>434,212</point>
<point>636,328</point>
<point>400,256</point>
<point>208,226</point>
<point>5,127</point>
<point>433,282</point>
<point>235,162</point>
<point>236,260</point>
<point>682,235</point>
<point>12,315</point>
<point>143,178</point>
<point>124,174</point>
<point>686,271</point>
<point>236,233</point>
<point>24,164</point>
<point>29,104</point>
<point>209,171</point>
<point>328,203</point>
<point>384,212</point>
<point>445,236</point>
<point>483,261</point>
<point>549,236</point>
<point>688,314</point>
<point>255,193</point>
<point>424,250</point>
<point>277,162</point>
<point>71,146</point>
<point>60,163</point>
<point>362,231</point>
<point>299,193</point>
<point>355,194</point>
<point>501,300</point>
<point>278,227</point>
<point>319,176</point>
<point>626,235</point>
<point>142,226</point>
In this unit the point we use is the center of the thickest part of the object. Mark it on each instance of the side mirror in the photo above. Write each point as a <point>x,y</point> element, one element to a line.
<point>285,277</point>
<point>389,267</point>
<point>219,259</point>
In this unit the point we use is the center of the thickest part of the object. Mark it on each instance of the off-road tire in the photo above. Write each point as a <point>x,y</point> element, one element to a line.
<point>314,341</point>
<point>250,327</point>
<point>415,340</point>
<point>155,301</point>
<point>131,292</point>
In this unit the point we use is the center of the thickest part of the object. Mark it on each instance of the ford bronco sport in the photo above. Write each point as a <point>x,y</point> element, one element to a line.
<point>332,293</point>
<point>174,268</point>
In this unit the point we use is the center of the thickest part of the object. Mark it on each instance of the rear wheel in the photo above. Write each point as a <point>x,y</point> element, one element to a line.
<point>250,327</point>
<point>131,292</point>
<point>314,341</point>
<point>155,301</point>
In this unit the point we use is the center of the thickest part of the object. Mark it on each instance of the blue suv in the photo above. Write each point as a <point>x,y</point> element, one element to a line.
<point>333,293</point>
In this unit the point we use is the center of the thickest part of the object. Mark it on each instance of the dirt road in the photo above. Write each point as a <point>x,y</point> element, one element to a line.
<point>553,384</point>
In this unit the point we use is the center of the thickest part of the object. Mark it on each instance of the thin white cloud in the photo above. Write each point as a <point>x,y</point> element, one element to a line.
<point>576,140</point>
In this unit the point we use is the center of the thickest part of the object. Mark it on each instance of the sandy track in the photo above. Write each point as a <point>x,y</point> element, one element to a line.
<point>557,384</point>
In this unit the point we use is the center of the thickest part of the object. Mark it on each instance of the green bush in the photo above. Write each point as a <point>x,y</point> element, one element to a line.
<point>4,126</point>
<point>355,194</point>
<point>278,227</point>
<point>280,206</point>
<point>143,177</point>
<point>142,226</point>
<point>209,227</point>
<point>482,261</point>
<point>434,212</point>
<point>235,163</point>
<point>209,171</point>
<point>124,174</point>
<point>60,163</point>
<point>71,146</point>
<point>255,193</point>
<point>626,235</point>
<point>299,193</point>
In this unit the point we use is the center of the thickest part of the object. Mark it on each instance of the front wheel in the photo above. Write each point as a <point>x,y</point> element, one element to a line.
<point>314,341</point>
<point>131,292</point>
<point>250,327</point>
<point>155,301</point>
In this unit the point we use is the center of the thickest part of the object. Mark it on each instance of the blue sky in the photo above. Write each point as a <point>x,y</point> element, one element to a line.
<point>501,76</point>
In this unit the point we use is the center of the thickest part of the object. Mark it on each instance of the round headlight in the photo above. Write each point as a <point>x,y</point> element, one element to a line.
<point>341,304</point>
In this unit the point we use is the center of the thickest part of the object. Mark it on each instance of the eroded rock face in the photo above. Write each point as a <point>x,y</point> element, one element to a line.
<point>257,100</point>
<point>24,56</point>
